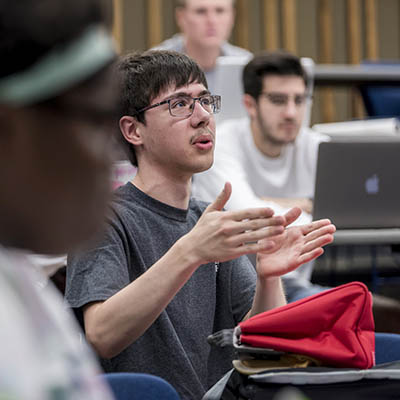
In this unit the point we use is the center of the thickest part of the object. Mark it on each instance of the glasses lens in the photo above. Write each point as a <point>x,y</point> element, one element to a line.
<point>281,99</point>
<point>300,99</point>
<point>217,103</point>
<point>278,99</point>
<point>180,106</point>
<point>183,106</point>
<point>207,102</point>
<point>211,103</point>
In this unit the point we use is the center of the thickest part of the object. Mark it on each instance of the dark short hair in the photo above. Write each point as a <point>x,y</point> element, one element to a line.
<point>29,29</point>
<point>270,63</point>
<point>144,76</point>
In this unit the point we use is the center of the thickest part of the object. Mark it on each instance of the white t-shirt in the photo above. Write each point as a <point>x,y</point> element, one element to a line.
<point>253,175</point>
<point>41,355</point>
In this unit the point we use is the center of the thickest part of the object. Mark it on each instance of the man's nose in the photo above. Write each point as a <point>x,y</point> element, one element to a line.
<point>200,114</point>
<point>291,108</point>
<point>212,17</point>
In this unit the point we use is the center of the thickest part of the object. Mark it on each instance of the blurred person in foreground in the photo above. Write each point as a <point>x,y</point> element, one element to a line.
<point>55,117</point>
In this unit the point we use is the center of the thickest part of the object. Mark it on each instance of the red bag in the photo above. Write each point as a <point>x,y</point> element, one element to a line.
<point>335,327</point>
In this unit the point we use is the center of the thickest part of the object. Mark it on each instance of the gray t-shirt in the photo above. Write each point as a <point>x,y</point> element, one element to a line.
<point>217,296</point>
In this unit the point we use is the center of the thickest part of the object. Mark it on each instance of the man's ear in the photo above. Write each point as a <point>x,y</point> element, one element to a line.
<point>251,105</point>
<point>131,129</point>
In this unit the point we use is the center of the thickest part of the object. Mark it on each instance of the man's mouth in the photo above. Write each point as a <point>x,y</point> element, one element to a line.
<point>203,142</point>
<point>289,126</point>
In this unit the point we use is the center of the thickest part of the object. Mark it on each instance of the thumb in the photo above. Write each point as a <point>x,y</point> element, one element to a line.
<point>219,203</point>
<point>292,215</point>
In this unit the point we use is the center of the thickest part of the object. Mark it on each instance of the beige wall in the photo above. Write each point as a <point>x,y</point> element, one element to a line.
<point>143,21</point>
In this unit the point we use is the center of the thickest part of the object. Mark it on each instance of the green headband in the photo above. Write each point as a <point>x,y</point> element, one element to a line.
<point>60,69</point>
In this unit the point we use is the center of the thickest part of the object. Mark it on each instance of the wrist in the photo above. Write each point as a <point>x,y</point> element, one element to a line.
<point>269,281</point>
<point>186,254</point>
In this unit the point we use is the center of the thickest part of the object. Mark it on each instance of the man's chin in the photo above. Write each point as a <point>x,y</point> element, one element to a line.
<point>204,166</point>
<point>282,141</point>
<point>211,42</point>
<point>288,137</point>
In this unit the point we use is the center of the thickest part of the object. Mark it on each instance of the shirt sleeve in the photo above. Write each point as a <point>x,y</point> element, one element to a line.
<point>100,272</point>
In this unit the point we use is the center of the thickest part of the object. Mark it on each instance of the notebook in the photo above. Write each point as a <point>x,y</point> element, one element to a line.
<point>358,184</point>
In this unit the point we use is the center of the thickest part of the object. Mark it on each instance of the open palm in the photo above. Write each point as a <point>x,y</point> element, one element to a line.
<point>295,246</point>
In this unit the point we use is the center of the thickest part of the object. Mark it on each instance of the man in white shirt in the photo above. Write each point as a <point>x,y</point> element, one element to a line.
<point>205,29</point>
<point>269,158</point>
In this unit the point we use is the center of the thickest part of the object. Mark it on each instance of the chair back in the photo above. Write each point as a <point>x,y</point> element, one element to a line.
<point>135,386</point>
<point>381,101</point>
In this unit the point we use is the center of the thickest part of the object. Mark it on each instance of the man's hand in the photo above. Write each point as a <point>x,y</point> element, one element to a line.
<point>225,235</point>
<point>295,246</point>
<point>287,202</point>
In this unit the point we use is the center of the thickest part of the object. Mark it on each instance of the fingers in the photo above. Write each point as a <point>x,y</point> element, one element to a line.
<point>253,248</point>
<point>250,213</point>
<point>318,242</point>
<point>307,257</point>
<point>219,203</point>
<point>306,229</point>
<point>317,234</point>
<point>253,213</point>
<point>238,227</point>
<point>320,232</point>
<point>292,215</point>
<point>254,236</point>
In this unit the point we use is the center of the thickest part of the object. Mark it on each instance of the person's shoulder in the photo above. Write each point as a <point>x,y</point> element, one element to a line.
<point>124,200</point>
<point>122,194</point>
<point>311,135</point>
<point>231,133</point>
<point>233,126</point>
<point>308,143</point>
<point>174,43</point>
<point>229,49</point>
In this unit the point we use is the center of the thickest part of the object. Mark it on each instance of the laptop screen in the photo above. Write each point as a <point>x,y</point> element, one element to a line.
<point>358,184</point>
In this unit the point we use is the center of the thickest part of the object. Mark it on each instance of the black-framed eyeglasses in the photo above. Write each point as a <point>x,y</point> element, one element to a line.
<point>282,99</point>
<point>183,106</point>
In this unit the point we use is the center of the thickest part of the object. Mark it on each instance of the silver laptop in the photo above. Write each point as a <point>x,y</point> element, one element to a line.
<point>228,84</point>
<point>358,184</point>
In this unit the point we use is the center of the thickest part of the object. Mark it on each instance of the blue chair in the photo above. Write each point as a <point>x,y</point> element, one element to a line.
<point>381,101</point>
<point>387,347</point>
<point>135,386</point>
